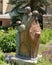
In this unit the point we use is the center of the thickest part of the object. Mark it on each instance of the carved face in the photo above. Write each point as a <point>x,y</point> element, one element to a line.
<point>27,10</point>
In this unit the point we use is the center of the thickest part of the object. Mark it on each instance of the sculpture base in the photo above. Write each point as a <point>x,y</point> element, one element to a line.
<point>19,61</point>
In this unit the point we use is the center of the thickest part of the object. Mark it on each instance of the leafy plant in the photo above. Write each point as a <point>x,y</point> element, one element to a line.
<point>7,40</point>
<point>17,10</point>
<point>2,55</point>
<point>2,60</point>
<point>4,28</point>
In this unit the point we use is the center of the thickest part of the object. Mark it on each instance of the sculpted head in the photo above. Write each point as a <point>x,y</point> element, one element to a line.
<point>27,9</point>
<point>35,14</point>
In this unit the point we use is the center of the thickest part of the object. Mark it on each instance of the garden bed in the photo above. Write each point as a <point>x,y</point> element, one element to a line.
<point>8,45</point>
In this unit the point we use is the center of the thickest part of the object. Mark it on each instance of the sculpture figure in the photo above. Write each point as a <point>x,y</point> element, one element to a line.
<point>34,34</point>
<point>22,28</point>
<point>28,35</point>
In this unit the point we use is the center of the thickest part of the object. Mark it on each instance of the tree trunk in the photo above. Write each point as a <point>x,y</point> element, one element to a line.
<point>32,4</point>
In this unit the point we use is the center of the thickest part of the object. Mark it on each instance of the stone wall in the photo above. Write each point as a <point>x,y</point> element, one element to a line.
<point>5,4</point>
<point>47,21</point>
<point>49,9</point>
<point>0,6</point>
<point>5,22</point>
<point>6,7</point>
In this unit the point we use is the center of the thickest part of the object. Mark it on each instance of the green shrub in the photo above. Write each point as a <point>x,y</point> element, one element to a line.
<point>2,55</point>
<point>2,60</point>
<point>4,63</point>
<point>7,40</point>
<point>46,36</point>
<point>4,28</point>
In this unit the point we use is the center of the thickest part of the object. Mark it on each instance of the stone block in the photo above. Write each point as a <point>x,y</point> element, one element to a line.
<point>19,61</point>
<point>47,21</point>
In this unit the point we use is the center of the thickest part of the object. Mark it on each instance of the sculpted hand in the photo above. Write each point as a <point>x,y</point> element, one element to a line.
<point>38,32</point>
<point>22,27</point>
<point>18,22</point>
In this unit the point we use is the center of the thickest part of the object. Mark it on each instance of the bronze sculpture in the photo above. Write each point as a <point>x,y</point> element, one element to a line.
<point>29,37</point>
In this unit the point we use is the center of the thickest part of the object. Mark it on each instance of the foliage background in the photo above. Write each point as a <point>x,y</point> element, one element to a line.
<point>8,39</point>
<point>18,11</point>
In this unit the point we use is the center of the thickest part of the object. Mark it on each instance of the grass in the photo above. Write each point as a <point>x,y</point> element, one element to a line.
<point>42,61</point>
<point>46,36</point>
<point>46,57</point>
